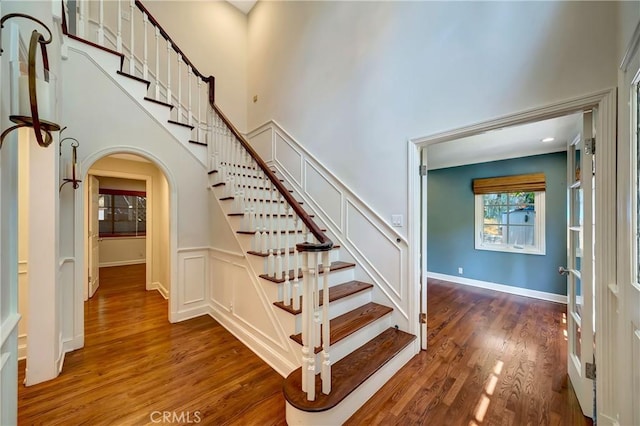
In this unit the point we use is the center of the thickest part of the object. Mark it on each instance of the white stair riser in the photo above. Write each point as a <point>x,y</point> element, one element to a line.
<point>340,307</point>
<point>345,409</point>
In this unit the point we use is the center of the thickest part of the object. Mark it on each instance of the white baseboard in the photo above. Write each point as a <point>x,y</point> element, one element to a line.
<point>264,352</point>
<point>189,313</point>
<point>551,297</point>
<point>123,263</point>
<point>161,289</point>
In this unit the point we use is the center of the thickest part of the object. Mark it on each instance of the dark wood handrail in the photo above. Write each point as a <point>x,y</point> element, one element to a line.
<point>324,242</point>
<point>207,79</point>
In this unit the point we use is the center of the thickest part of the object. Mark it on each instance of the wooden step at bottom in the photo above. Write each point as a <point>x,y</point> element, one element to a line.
<point>177,123</point>
<point>348,373</point>
<point>347,324</point>
<point>335,293</point>
<point>335,266</point>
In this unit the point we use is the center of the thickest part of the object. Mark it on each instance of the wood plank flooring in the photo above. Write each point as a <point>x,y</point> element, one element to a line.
<point>135,363</point>
<point>492,359</point>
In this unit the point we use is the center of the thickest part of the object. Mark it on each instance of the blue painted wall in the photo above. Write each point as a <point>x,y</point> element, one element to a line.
<point>450,225</point>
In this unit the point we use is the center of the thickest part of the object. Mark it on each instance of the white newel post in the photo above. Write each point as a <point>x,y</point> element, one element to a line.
<point>295,293</point>
<point>306,327</point>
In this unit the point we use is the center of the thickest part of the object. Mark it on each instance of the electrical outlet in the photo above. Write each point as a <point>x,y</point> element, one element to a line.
<point>396,220</point>
<point>126,15</point>
<point>460,270</point>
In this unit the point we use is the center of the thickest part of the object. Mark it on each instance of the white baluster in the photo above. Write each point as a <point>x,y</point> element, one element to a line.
<point>132,62</point>
<point>199,105</point>
<point>272,265</point>
<point>100,32</point>
<point>157,63</point>
<point>278,238</point>
<point>119,29</point>
<point>287,267</point>
<point>82,18</point>
<point>190,112</point>
<point>295,291</point>
<point>169,73</point>
<point>325,373</point>
<point>145,64</point>
<point>309,279</point>
<point>180,61</point>
<point>264,240</point>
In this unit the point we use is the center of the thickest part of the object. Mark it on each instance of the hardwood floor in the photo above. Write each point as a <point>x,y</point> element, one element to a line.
<point>136,365</point>
<point>492,359</point>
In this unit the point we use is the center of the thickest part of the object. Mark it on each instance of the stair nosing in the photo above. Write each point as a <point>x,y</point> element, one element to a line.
<point>177,123</point>
<point>291,249</point>
<point>133,77</point>
<point>156,101</point>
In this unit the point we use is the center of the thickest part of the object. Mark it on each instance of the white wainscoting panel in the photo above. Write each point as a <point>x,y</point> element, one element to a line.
<point>193,264</point>
<point>195,273</point>
<point>326,195</point>
<point>290,159</point>
<point>239,302</point>
<point>262,142</point>
<point>385,256</point>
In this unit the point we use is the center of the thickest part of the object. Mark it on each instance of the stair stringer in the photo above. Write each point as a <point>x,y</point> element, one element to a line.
<point>278,350</point>
<point>109,64</point>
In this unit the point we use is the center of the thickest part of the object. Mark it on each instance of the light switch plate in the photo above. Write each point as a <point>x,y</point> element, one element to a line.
<point>396,220</point>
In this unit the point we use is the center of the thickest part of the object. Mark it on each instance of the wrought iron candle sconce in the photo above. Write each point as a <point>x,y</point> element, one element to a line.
<point>39,126</point>
<point>72,173</point>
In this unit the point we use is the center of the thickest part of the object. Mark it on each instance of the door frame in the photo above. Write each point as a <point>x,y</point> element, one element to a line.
<point>605,252</point>
<point>149,236</point>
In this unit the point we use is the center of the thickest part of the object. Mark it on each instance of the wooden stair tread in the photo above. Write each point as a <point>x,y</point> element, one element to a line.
<point>336,292</point>
<point>133,77</point>
<point>335,266</point>
<point>177,123</point>
<point>257,200</point>
<point>198,143</point>
<point>291,251</point>
<point>155,101</point>
<point>242,174</point>
<point>284,231</point>
<point>348,373</point>
<point>347,324</point>
<point>263,214</point>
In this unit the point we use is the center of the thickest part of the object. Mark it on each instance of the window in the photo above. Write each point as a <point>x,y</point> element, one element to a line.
<point>509,214</point>
<point>122,213</point>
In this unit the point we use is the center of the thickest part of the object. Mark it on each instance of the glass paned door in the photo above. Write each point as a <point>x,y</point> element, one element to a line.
<point>580,259</point>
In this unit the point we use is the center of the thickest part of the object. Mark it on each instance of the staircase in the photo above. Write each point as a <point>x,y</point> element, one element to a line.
<point>347,340</point>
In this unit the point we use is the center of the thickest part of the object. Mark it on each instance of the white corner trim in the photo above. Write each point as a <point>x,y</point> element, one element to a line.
<point>161,289</point>
<point>22,346</point>
<point>542,295</point>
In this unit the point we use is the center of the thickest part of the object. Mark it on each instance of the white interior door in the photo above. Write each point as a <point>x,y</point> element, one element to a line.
<point>581,266</point>
<point>94,232</point>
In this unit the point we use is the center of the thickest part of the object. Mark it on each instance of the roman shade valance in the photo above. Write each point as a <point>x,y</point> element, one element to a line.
<point>518,183</point>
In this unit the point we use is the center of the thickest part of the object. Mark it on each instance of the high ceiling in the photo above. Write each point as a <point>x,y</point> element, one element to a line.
<point>243,5</point>
<point>510,142</point>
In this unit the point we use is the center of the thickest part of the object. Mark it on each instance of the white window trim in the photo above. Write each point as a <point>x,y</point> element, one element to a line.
<point>539,249</point>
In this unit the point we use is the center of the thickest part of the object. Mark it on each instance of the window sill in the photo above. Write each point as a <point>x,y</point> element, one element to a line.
<point>511,249</point>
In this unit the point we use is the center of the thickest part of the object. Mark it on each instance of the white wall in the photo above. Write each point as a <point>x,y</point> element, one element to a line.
<point>213,35</point>
<point>355,80</point>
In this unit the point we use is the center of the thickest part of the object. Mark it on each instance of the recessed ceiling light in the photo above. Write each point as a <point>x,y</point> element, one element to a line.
<point>547,140</point>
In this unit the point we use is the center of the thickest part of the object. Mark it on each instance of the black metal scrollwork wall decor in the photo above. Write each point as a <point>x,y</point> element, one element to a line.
<point>40,126</point>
